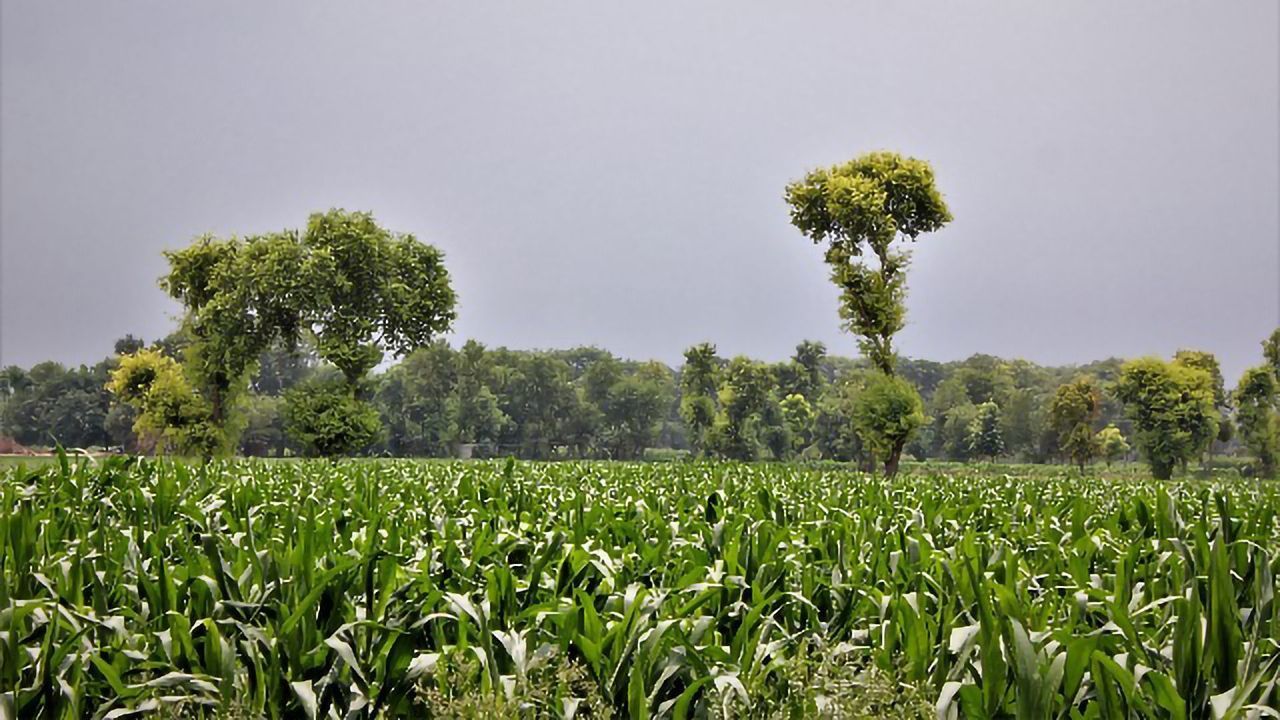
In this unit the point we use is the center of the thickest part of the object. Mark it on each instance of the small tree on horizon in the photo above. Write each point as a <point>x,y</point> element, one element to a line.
<point>985,437</point>
<point>1072,412</point>
<point>1172,409</point>
<point>1256,405</point>
<point>1111,444</point>
<point>699,382</point>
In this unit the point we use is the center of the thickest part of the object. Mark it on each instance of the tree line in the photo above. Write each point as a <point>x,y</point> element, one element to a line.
<point>442,401</point>
<point>282,333</point>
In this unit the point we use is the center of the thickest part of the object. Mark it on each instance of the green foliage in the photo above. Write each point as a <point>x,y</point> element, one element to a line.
<point>370,589</point>
<point>52,404</point>
<point>952,433</point>
<point>240,296</point>
<point>861,208</point>
<point>474,409</point>
<point>326,419</point>
<point>368,288</point>
<point>1271,351</point>
<point>352,285</point>
<point>699,383</point>
<point>1111,444</point>
<point>744,394</point>
<point>1206,361</point>
<point>1172,408</point>
<point>985,438</point>
<point>263,433</point>
<point>798,417</point>
<point>632,408</point>
<point>170,413</point>
<point>834,434</point>
<point>536,392</point>
<point>886,414</point>
<point>1072,412</point>
<point>1256,406</point>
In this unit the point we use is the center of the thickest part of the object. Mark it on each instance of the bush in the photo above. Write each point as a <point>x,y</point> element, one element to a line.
<point>327,419</point>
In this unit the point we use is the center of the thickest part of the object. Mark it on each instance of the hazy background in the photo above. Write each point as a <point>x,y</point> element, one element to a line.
<point>610,174</point>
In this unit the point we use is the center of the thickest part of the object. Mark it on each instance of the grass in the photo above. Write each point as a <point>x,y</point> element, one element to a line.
<point>491,589</point>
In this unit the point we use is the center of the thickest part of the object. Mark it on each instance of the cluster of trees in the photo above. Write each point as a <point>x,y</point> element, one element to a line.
<point>282,333</point>
<point>346,286</point>
<point>441,401</point>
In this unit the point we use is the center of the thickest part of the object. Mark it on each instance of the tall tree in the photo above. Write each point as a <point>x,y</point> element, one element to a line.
<point>699,383</point>
<point>475,410</point>
<point>632,408</point>
<point>743,394</point>
<point>861,209</point>
<point>1206,361</point>
<point>240,295</point>
<point>357,288</point>
<point>1172,409</point>
<point>1256,405</point>
<point>1072,412</point>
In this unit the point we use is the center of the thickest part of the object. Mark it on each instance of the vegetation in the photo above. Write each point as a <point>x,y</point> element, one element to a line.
<point>1172,407</point>
<point>411,589</point>
<point>440,401</point>
<point>860,209</point>
<point>1075,408</point>
<point>1112,445</point>
<point>1256,401</point>
<point>345,284</point>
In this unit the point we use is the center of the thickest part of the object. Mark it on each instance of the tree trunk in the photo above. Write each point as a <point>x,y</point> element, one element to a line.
<point>895,456</point>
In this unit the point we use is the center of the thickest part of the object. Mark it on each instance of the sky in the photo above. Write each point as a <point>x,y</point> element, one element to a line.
<point>612,173</point>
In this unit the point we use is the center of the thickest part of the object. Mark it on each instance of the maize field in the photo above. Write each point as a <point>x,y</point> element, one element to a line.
<point>371,589</point>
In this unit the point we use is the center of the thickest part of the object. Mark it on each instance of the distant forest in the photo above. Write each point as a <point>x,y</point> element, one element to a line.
<point>584,402</point>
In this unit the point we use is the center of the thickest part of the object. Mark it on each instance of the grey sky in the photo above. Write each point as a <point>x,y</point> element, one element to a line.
<point>611,174</point>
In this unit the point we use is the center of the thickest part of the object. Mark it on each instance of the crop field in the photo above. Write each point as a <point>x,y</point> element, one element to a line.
<point>435,589</point>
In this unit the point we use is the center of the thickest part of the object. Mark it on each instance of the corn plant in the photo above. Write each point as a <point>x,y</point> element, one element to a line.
<point>371,589</point>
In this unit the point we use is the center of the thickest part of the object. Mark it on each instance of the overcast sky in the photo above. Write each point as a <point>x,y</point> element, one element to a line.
<point>611,173</point>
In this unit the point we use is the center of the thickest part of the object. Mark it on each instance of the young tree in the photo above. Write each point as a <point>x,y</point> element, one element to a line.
<point>1172,409</point>
<point>886,413</point>
<point>861,209</point>
<point>1111,444</point>
<point>699,382</point>
<point>985,437</point>
<point>1072,412</point>
<point>1256,405</point>
<point>171,413</point>
<point>798,416</point>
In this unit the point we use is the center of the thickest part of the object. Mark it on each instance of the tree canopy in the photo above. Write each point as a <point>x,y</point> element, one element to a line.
<point>1172,408</point>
